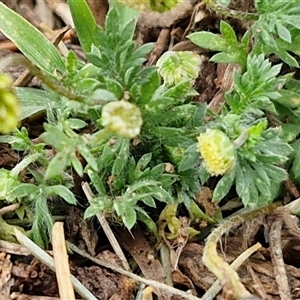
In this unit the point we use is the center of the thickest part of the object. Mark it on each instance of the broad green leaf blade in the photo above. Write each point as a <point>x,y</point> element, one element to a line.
<point>24,189</point>
<point>57,165</point>
<point>31,42</point>
<point>32,101</point>
<point>85,23</point>
<point>208,40</point>
<point>223,186</point>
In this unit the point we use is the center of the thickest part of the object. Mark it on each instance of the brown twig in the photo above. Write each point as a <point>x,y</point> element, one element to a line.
<point>160,46</point>
<point>155,284</point>
<point>277,260</point>
<point>224,272</point>
<point>216,287</point>
<point>6,209</point>
<point>62,270</point>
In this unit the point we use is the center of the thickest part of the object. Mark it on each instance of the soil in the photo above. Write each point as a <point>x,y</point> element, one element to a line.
<point>24,277</point>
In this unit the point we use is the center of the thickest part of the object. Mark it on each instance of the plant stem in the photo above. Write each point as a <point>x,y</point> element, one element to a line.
<point>57,87</point>
<point>244,16</point>
<point>223,271</point>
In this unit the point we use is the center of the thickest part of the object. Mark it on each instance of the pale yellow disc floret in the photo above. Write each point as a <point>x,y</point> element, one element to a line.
<point>217,151</point>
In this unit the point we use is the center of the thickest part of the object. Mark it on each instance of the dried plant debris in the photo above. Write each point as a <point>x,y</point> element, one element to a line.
<point>105,284</point>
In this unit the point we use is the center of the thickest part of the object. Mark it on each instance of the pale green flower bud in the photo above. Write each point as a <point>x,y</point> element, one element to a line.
<point>217,151</point>
<point>9,105</point>
<point>176,66</point>
<point>122,117</point>
<point>146,5</point>
<point>140,5</point>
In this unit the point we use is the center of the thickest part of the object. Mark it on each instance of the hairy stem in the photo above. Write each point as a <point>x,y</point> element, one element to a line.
<point>244,16</point>
<point>55,86</point>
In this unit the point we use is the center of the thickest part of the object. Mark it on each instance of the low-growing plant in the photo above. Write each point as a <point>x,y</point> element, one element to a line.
<point>148,141</point>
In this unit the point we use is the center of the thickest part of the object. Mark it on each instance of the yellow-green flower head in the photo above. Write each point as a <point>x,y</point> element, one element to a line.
<point>176,66</point>
<point>122,118</point>
<point>9,105</point>
<point>217,151</point>
<point>140,5</point>
<point>146,5</point>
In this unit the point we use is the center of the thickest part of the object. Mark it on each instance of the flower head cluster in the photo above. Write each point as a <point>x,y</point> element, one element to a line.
<point>122,117</point>
<point>140,5</point>
<point>217,151</point>
<point>176,66</point>
<point>155,5</point>
<point>9,105</point>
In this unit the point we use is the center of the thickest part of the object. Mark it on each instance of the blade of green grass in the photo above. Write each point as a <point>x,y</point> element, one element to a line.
<point>31,42</point>
<point>32,101</point>
<point>85,23</point>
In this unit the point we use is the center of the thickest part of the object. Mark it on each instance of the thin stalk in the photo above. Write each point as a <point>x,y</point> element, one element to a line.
<point>55,86</point>
<point>222,270</point>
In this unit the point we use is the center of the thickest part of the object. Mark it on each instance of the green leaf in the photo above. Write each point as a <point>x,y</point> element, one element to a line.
<point>33,101</point>
<point>224,3</point>
<point>229,34</point>
<point>90,159</point>
<point>91,211</point>
<point>276,173</point>
<point>31,42</point>
<point>146,219</point>
<point>241,184</point>
<point>122,158</point>
<point>114,87</point>
<point>98,205</point>
<point>61,191</point>
<point>289,98</point>
<point>283,32</point>
<point>226,58</point>
<point>149,87</point>
<point>55,137</point>
<point>129,217</point>
<point>25,189</point>
<point>208,40</point>
<point>111,24</point>
<point>97,182</point>
<point>76,164</point>
<point>71,63</point>
<point>76,123</point>
<point>126,212</point>
<point>223,186</point>
<point>149,201</point>
<point>126,14</point>
<point>203,173</point>
<point>287,58</point>
<point>171,136</point>
<point>103,95</point>
<point>189,159</point>
<point>178,92</point>
<point>57,165</point>
<point>143,161</point>
<point>85,23</point>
